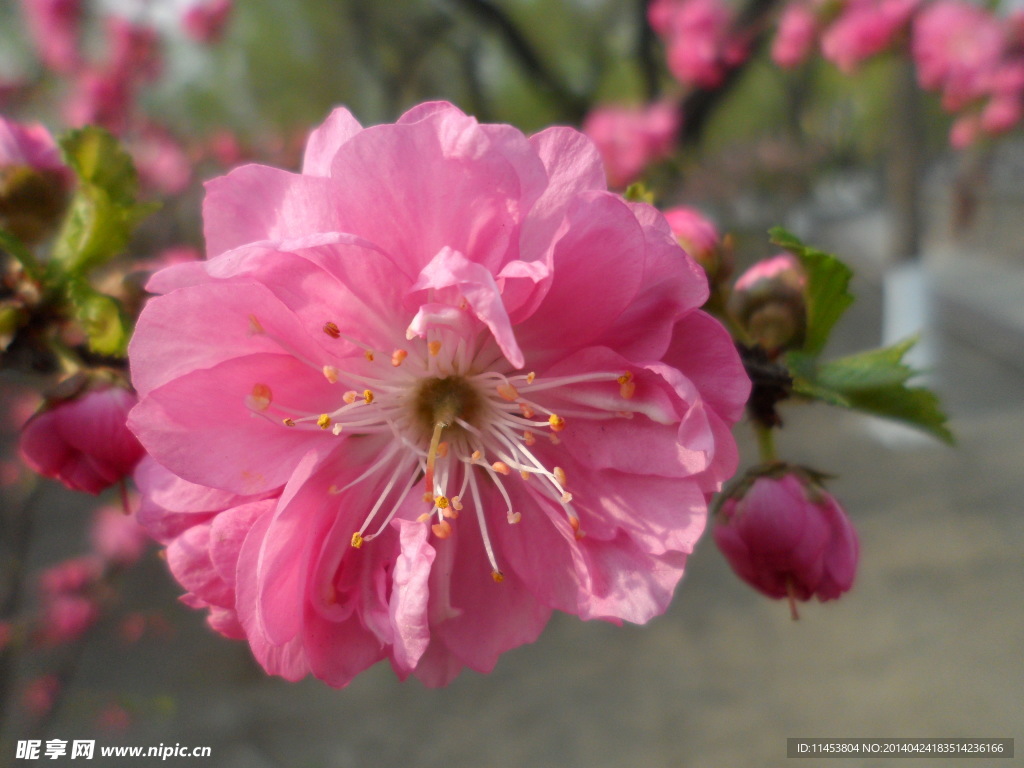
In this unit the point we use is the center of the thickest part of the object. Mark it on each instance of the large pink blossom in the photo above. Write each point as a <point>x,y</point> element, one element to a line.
<point>420,395</point>
<point>796,36</point>
<point>632,138</point>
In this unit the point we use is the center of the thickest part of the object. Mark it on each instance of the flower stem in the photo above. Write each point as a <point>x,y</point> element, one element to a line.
<point>765,443</point>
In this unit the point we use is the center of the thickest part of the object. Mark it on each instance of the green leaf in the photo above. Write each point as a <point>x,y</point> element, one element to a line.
<point>874,382</point>
<point>827,281</point>
<point>104,211</point>
<point>101,317</point>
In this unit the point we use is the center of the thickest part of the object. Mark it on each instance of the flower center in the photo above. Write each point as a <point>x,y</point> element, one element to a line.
<point>457,422</point>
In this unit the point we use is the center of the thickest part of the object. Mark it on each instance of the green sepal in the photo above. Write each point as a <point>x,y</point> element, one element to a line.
<point>21,254</point>
<point>637,192</point>
<point>102,318</point>
<point>104,210</point>
<point>874,382</point>
<point>826,293</point>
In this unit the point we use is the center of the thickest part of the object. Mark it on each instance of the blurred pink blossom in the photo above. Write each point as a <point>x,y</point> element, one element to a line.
<point>455,385</point>
<point>797,34</point>
<point>134,50</point>
<point>75,575</point>
<point>864,28</point>
<point>55,28</point>
<point>116,536</point>
<point>100,96</point>
<point>697,35</point>
<point>957,47</point>
<point>40,694</point>
<point>632,138</point>
<point>66,617</point>
<point>162,162</point>
<point>28,144</point>
<point>205,20</point>
<point>787,537</point>
<point>83,441</point>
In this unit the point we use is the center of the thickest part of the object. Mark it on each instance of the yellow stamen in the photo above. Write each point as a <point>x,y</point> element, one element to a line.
<point>324,421</point>
<point>424,517</point>
<point>367,396</point>
<point>349,397</point>
<point>331,374</point>
<point>434,347</point>
<point>332,330</point>
<point>357,539</point>
<point>442,530</point>
<point>368,354</point>
<point>557,422</point>
<point>560,476</point>
<point>441,502</point>
<point>627,387</point>
<point>288,422</point>
<point>526,410</point>
<point>498,576</point>
<point>524,474</point>
<point>398,356</point>
<point>501,466</point>
<point>530,377</point>
<point>514,517</point>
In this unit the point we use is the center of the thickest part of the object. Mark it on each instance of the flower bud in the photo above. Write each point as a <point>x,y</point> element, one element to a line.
<point>699,238</point>
<point>80,436</point>
<point>768,302</point>
<point>786,536</point>
<point>33,181</point>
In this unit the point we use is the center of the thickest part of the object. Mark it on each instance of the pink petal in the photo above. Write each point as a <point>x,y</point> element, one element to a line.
<point>324,142</point>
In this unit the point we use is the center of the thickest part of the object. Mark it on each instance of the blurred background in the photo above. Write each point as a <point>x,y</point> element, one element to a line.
<point>928,643</point>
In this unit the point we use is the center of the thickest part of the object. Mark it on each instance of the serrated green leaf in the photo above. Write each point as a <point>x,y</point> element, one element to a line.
<point>873,382</point>
<point>103,212</point>
<point>827,281</point>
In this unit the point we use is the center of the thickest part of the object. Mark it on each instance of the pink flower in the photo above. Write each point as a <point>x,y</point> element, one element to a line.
<point>116,537</point>
<point>957,47</point>
<point>28,144</point>
<point>100,97</point>
<point>162,163</point>
<point>863,29</point>
<point>83,441</point>
<point>205,20</point>
<point>71,576</point>
<point>66,618</point>
<point>40,694</point>
<point>134,49</point>
<point>797,34</point>
<point>786,536</point>
<point>697,34</point>
<point>455,385</point>
<point>630,138</point>
<point>55,26</point>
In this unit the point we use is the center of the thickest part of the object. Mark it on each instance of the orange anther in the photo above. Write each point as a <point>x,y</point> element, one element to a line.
<point>442,530</point>
<point>557,422</point>
<point>508,392</point>
<point>332,330</point>
<point>398,356</point>
<point>502,467</point>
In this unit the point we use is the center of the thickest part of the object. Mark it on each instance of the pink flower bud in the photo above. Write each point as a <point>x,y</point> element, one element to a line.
<point>768,302</point>
<point>82,440</point>
<point>33,181</point>
<point>786,536</point>
<point>699,238</point>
